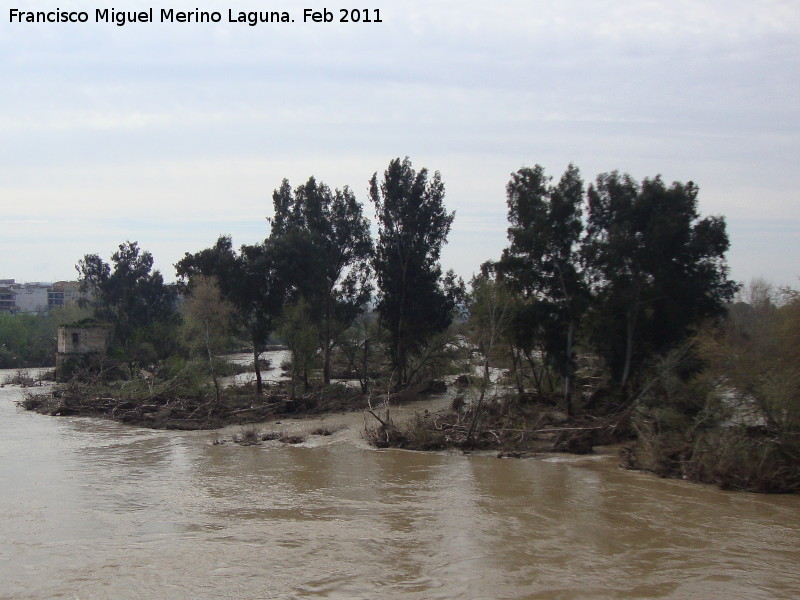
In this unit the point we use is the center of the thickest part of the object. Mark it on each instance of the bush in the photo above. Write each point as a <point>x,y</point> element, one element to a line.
<point>22,379</point>
<point>745,458</point>
<point>735,430</point>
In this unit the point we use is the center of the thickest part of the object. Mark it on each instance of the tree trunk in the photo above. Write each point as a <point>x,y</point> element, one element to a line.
<point>256,366</point>
<point>211,362</point>
<point>326,347</point>
<point>401,351</point>
<point>365,381</point>
<point>326,362</point>
<point>484,384</point>
<point>626,371</point>
<point>516,368</point>
<point>568,376</point>
<point>631,328</point>
<point>537,377</point>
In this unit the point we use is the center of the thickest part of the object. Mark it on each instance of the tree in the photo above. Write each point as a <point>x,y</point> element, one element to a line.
<point>735,421</point>
<point>250,281</point>
<point>326,249</point>
<point>657,270</point>
<point>206,321</point>
<point>756,353</point>
<point>491,307</point>
<point>357,347</point>
<point>299,332</point>
<point>542,262</point>
<point>133,299</point>
<point>415,301</point>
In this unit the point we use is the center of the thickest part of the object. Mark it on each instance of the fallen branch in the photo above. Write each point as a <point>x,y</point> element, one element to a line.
<point>381,421</point>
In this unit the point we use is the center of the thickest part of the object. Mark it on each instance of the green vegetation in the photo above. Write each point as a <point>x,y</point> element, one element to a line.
<point>206,323</point>
<point>325,249</point>
<point>30,340</point>
<point>736,421</point>
<point>27,340</point>
<point>542,265</point>
<point>249,281</point>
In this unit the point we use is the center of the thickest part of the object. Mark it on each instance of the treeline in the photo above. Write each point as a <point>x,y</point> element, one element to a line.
<point>622,287</point>
<point>610,299</point>
<point>623,270</point>
<point>619,269</point>
<point>316,279</point>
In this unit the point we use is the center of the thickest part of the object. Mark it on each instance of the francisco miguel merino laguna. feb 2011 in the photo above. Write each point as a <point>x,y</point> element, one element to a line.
<point>170,15</point>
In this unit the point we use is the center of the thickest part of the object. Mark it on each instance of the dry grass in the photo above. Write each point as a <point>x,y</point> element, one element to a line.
<point>735,457</point>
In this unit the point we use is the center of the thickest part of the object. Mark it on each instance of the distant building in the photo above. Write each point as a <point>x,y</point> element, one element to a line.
<point>7,298</point>
<point>31,297</point>
<point>63,293</point>
<point>36,298</point>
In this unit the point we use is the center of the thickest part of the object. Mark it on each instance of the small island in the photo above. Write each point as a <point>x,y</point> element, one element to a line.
<point>608,319</point>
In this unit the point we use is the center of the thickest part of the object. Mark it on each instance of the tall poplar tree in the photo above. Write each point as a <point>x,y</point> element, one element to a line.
<point>415,301</point>
<point>542,261</point>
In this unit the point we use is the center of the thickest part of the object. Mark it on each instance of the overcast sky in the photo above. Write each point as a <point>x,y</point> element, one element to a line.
<point>172,134</point>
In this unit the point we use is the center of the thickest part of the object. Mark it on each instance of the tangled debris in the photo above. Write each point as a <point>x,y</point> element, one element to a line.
<point>161,405</point>
<point>513,427</point>
<point>22,379</point>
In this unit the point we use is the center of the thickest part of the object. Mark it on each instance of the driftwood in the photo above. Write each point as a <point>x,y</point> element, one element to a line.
<point>499,429</point>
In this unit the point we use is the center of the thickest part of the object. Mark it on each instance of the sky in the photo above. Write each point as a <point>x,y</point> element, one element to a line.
<point>171,134</point>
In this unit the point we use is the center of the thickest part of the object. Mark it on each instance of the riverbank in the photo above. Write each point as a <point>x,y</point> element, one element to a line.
<point>439,421</point>
<point>180,398</point>
<point>510,426</point>
<point>159,406</point>
<point>184,399</point>
<point>444,420</point>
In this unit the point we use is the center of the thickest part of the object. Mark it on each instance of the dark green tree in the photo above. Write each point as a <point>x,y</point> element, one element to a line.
<point>415,301</point>
<point>657,269</point>
<point>325,249</point>
<point>249,280</point>
<point>542,263</point>
<point>134,300</point>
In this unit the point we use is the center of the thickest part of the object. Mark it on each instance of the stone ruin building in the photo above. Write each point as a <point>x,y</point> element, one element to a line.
<point>80,346</point>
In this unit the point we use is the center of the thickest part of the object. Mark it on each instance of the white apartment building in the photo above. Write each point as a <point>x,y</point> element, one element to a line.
<point>36,297</point>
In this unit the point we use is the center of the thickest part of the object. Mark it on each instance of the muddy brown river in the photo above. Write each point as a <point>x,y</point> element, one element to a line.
<point>93,509</point>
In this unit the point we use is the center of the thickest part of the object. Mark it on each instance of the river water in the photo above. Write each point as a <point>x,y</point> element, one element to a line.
<point>95,509</point>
